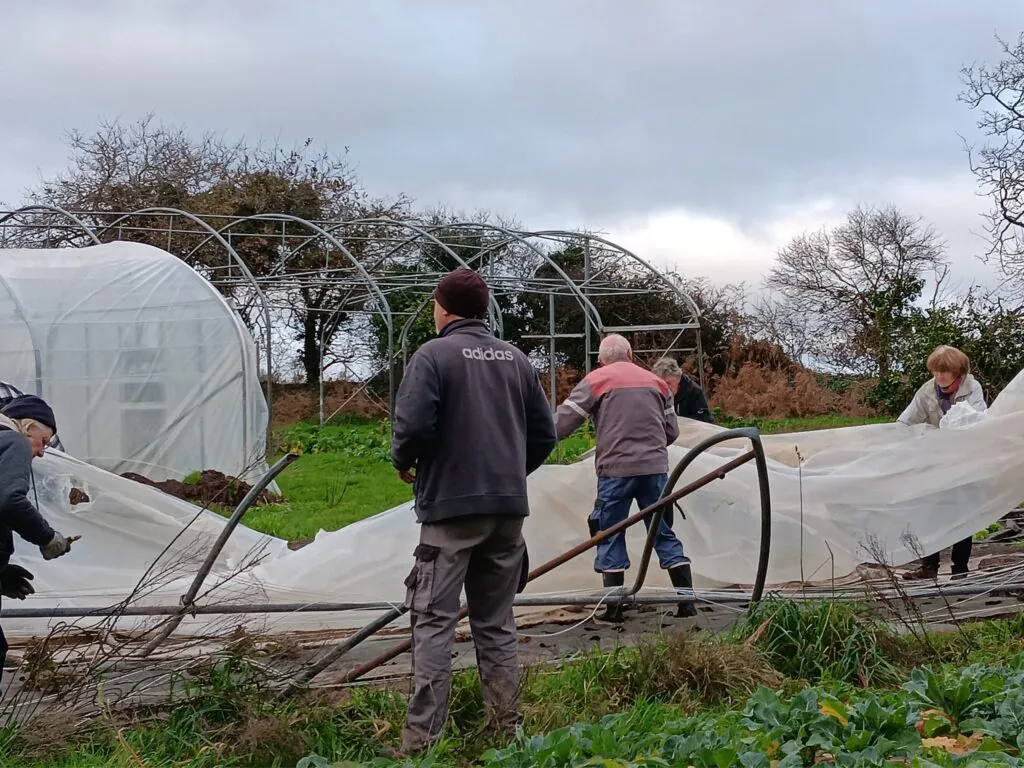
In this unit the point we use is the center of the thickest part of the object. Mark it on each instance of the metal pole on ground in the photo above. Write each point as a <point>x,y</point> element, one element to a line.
<point>314,668</point>
<point>233,522</point>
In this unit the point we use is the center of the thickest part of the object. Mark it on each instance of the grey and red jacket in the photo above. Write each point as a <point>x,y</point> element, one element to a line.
<point>634,418</point>
<point>473,420</point>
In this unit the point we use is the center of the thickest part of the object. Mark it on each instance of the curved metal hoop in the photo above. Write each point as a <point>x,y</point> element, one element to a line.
<point>417,230</point>
<point>56,210</point>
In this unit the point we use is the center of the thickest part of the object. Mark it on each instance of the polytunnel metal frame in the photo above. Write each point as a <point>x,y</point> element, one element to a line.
<point>219,230</point>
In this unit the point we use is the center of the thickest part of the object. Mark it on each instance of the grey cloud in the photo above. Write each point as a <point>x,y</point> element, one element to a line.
<point>586,110</point>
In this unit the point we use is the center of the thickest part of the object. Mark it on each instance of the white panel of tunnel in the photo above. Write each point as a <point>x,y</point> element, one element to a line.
<point>147,367</point>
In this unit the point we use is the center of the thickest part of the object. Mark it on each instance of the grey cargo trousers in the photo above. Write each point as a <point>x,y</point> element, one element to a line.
<point>487,555</point>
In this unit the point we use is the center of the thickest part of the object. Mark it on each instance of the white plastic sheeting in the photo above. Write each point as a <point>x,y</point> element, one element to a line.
<point>850,487</point>
<point>146,366</point>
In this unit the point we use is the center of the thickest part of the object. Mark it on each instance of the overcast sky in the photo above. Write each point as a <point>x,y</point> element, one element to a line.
<point>699,133</point>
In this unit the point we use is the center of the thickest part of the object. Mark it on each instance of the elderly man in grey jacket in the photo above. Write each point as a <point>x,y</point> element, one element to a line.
<point>635,423</point>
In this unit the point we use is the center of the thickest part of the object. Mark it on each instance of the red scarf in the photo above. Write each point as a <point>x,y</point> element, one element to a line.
<point>946,395</point>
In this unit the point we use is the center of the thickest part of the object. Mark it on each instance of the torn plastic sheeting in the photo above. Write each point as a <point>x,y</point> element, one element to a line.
<point>856,494</point>
<point>876,483</point>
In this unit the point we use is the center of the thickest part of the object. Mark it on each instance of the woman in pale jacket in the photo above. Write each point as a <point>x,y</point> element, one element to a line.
<point>951,383</point>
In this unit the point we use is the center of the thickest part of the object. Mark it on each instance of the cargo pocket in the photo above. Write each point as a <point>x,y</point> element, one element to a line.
<point>419,583</point>
<point>594,519</point>
<point>524,573</point>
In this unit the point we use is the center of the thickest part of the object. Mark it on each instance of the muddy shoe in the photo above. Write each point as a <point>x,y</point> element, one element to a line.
<point>961,573</point>
<point>682,580</point>
<point>613,608</point>
<point>612,615</point>
<point>922,573</point>
<point>502,729</point>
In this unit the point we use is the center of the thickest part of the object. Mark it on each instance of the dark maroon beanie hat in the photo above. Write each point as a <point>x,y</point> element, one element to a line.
<point>463,293</point>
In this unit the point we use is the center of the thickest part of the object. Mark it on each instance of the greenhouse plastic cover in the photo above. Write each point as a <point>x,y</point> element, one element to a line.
<point>146,366</point>
<point>857,485</point>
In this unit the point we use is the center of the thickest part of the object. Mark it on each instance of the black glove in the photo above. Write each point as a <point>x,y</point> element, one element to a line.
<point>15,582</point>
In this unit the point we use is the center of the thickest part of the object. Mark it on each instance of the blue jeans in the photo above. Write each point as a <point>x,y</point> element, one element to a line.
<point>615,497</point>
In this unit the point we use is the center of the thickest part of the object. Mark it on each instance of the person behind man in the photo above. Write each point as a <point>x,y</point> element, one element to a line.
<point>951,383</point>
<point>27,425</point>
<point>635,422</point>
<point>7,393</point>
<point>689,400</point>
<point>471,421</point>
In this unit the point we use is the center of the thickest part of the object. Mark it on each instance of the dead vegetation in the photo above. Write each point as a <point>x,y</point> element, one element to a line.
<point>294,403</point>
<point>756,391</point>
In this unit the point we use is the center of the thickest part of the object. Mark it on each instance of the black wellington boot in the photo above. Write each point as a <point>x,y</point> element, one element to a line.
<point>613,608</point>
<point>682,579</point>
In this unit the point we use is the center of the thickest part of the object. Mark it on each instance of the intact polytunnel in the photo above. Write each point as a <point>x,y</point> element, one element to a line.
<point>147,367</point>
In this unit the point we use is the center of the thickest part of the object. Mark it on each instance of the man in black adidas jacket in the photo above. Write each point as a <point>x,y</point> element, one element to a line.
<point>471,421</point>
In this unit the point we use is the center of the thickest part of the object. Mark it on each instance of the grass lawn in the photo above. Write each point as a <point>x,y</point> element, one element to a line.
<point>344,473</point>
<point>328,491</point>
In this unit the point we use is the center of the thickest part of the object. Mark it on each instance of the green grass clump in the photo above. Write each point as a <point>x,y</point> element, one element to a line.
<point>795,424</point>
<point>328,491</point>
<point>822,640</point>
<point>344,475</point>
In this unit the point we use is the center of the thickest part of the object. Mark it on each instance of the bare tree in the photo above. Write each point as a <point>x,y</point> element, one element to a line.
<point>997,94</point>
<point>858,282</point>
<point>125,167</point>
<point>776,321</point>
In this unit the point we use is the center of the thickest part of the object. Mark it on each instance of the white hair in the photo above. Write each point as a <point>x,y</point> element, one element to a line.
<point>614,349</point>
<point>667,368</point>
<point>27,426</point>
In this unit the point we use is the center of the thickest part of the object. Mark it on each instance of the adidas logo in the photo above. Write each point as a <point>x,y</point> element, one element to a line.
<point>478,353</point>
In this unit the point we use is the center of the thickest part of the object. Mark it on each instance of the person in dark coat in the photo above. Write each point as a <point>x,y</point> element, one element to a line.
<point>27,425</point>
<point>471,422</point>
<point>688,397</point>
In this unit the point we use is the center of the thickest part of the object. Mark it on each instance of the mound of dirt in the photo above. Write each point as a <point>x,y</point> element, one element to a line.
<point>211,487</point>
